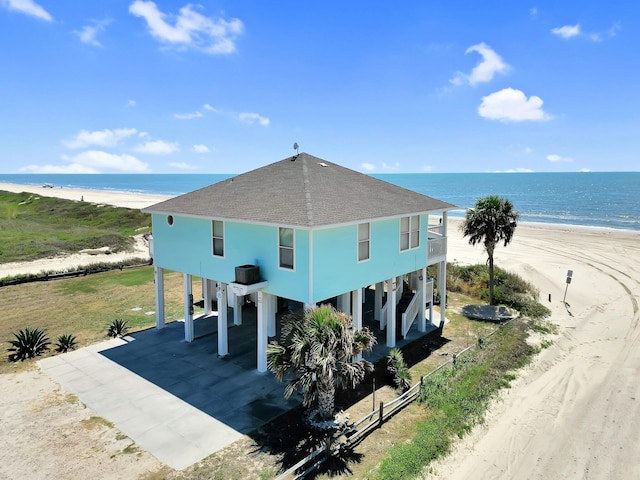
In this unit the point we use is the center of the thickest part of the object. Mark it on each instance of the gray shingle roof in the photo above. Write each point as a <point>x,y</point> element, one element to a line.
<point>302,191</point>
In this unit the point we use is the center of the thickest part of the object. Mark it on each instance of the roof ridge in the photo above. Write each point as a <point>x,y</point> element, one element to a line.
<point>307,191</point>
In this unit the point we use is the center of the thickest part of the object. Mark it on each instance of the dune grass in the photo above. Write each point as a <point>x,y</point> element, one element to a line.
<point>36,227</point>
<point>85,306</point>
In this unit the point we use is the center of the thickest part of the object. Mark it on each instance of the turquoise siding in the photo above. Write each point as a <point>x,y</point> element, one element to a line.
<point>186,247</point>
<point>336,269</point>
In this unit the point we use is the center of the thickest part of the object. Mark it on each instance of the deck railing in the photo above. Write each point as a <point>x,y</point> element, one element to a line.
<point>410,314</point>
<point>437,247</point>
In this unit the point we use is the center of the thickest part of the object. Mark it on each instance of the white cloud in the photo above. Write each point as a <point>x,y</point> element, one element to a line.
<point>72,168</point>
<point>427,168</point>
<point>182,165</point>
<point>199,148</point>
<point>131,103</point>
<point>189,28</point>
<point>206,106</point>
<point>187,116</point>
<point>533,12</point>
<point>157,147</point>
<point>99,161</point>
<point>251,118</point>
<point>28,7</point>
<point>484,71</point>
<point>515,170</point>
<point>370,167</point>
<point>101,138</point>
<point>585,170</point>
<point>567,31</point>
<point>512,105</point>
<point>557,158</point>
<point>88,33</point>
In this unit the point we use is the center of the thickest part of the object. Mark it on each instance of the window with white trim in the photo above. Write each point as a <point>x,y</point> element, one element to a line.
<point>409,232</point>
<point>217,229</point>
<point>286,247</point>
<point>364,246</point>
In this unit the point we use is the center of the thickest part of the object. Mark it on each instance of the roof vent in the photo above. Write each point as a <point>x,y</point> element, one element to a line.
<point>322,164</point>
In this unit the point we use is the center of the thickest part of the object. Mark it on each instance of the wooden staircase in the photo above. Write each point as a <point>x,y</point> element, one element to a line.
<point>405,300</point>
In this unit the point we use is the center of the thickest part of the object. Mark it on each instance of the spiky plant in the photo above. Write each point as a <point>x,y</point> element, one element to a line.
<point>66,342</point>
<point>118,328</point>
<point>397,367</point>
<point>28,343</point>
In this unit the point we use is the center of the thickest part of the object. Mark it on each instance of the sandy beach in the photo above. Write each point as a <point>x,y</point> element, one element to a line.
<point>573,413</point>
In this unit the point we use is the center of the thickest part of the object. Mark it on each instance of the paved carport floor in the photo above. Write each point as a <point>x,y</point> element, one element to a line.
<point>177,400</point>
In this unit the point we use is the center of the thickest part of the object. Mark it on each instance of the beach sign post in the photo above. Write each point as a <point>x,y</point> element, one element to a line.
<point>569,275</point>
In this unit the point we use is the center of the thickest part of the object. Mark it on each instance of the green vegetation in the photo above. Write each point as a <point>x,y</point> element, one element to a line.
<point>457,397</point>
<point>36,227</point>
<point>118,328</point>
<point>28,343</point>
<point>509,289</point>
<point>317,349</point>
<point>490,222</point>
<point>87,305</point>
<point>66,342</point>
<point>398,370</point>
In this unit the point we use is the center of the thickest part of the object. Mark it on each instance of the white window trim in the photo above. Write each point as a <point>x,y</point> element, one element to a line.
<point>213,237</point>
<point>292,248</point>
<point>411,231</point>
<point>368,240</point>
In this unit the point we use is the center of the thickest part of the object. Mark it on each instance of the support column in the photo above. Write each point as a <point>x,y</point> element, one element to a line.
<point>263,299</point>
<point>158,280</point>
<point>206,294</point>
<point>238,302</point>
<point>377,302</point>
<point>422,292</point>
<point>271,316</point>
<point>442,289</point>
<point>223,339</point>
<point>344,303</point>
<point>391,312</point>
<point>188,308</point>
<point>356,301</point>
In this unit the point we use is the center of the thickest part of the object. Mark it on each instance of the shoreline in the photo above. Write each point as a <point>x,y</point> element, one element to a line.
<point>142,200</point>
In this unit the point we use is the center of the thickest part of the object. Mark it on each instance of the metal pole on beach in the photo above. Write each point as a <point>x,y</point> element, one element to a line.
<point>569,275</point>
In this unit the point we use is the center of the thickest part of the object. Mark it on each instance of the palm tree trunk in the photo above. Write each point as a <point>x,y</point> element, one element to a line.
<point>326,399</point>
<point>490,279</point>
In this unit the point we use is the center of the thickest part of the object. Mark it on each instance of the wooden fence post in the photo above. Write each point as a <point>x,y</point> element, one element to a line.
<point>381,414</point>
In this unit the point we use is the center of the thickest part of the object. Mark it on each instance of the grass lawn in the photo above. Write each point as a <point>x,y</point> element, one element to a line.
<point>85,306</point>
<point>35,227</point>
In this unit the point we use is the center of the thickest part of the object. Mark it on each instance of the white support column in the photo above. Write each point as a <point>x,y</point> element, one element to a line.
<point>238,302</point>
<point>308,306</point>
<point>377,302</point>
<point>271,315</point>
<point>188,308</point>
<point>391,312</point>
<point>422,292</point>
<point>442,288</point>
<point>158,279</point>
<point>356,301</point>
<point>344,303</point>
<point>263,299</point>
<point>223,338</point>
<point>206,294</point>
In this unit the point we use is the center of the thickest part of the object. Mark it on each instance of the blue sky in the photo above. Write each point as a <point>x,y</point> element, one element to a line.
<point>135,86</point>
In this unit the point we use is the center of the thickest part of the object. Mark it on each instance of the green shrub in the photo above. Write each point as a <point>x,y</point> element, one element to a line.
<point>118,328</point>
<point>28,343</point>
<point>398,369</point>
<point>66,342</point>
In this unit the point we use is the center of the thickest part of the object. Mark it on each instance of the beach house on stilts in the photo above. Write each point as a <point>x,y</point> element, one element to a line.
<point>308,231</point>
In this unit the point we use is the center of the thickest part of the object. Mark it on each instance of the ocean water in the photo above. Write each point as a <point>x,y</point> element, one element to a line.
<point>591,199</point>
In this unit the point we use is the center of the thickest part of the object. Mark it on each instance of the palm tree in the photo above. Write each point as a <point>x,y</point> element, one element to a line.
<point>492,220</point>
<point>317,348</point>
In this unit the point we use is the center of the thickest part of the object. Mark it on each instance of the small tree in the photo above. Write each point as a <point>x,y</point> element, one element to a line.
<point>317,349</point>
<point>492,220</point>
